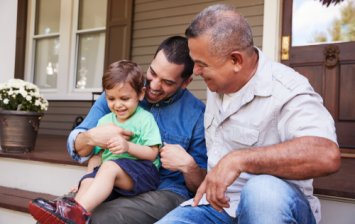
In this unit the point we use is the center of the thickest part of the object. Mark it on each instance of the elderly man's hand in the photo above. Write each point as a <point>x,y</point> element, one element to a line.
<point>217,180</point>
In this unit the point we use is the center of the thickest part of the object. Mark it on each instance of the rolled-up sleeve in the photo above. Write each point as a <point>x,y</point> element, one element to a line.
<point>305,115</point>
<point>98,110</point>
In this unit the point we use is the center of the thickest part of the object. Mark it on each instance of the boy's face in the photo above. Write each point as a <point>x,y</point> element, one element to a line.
<point>123,100</point>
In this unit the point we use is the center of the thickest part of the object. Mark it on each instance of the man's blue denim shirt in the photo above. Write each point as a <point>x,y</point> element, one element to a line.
<point>180,120</point>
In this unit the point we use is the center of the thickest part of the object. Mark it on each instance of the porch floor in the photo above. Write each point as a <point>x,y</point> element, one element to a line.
<point>49,148</point>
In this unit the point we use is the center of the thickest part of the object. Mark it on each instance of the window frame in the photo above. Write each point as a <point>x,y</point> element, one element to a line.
<point>68,53</point>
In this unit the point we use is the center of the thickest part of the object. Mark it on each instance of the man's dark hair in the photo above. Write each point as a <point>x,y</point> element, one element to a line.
<point>176,51</point>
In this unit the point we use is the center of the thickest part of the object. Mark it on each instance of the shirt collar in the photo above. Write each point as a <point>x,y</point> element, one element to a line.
<point>262,80</point>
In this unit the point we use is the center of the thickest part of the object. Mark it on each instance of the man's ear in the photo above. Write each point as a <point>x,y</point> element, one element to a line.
<point>237,60</point>
<point>142,94</point>
<point>186,82</point>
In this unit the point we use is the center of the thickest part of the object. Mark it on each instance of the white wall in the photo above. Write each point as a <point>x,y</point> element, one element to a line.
<point>8,19</point>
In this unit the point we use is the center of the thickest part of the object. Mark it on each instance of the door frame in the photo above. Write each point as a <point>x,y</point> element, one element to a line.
<point>272,24</point>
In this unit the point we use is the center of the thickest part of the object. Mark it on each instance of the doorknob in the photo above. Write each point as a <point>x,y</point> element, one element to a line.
<point>285,47</point>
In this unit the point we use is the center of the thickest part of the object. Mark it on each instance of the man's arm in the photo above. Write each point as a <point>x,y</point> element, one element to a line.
<point>300,158</point>
<point>191,162</point>
<point>74,145</point>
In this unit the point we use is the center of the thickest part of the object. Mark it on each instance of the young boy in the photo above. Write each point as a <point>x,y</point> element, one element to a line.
<point>128,167</point>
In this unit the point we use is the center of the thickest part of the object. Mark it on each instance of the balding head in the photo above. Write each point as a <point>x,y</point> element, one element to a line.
<point>226,29</point>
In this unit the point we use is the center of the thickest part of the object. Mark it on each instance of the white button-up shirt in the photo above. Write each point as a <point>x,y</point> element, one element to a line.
<point>276,105</point>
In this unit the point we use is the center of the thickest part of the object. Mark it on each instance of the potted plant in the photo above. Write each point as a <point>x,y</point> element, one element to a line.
<point>21,109</point>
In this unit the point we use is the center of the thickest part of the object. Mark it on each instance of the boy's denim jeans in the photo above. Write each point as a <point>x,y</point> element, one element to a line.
<point>264,200</point>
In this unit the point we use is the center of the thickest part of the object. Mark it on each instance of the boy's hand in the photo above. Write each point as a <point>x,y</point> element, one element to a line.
<point>101,135</point>
<point>117,145</point>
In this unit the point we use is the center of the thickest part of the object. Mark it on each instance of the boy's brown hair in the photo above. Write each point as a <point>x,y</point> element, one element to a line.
<point>123,71</point>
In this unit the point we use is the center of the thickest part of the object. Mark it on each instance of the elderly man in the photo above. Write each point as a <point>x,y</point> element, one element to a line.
<point>267,131</point>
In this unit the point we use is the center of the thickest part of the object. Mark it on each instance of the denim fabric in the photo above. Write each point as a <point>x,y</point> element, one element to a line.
<point>180,121</point>
<point>264,199</point>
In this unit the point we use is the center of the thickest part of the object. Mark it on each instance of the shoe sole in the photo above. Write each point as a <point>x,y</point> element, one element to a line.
<point>44,216</point>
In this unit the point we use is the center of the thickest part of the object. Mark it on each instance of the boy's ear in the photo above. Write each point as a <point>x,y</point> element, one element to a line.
<point>142,94</point>
<point>186,82</point>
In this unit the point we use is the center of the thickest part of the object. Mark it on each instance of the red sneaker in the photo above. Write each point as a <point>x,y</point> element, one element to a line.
<point>63,211</point>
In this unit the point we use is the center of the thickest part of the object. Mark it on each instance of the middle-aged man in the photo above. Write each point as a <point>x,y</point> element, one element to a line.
<point>267,131</point>
<point>179,116</point>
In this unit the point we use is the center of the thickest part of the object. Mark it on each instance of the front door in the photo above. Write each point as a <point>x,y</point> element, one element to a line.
<point>319,42</point>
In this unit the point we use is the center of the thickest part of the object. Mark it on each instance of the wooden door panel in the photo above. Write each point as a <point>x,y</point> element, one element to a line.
<point>347,93</point>
<point>316,53</point>
<point>330,68</point>
<point>345,137</point>
<point>315,76</point>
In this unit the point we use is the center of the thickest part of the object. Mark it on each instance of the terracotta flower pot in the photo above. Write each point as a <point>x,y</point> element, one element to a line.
<point>18,130</point>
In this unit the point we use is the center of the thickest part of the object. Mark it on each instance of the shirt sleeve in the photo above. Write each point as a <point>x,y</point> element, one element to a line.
<point>305,115</point>
<point>197,148</point>
<point>70,146</point>
<point>98,110</point>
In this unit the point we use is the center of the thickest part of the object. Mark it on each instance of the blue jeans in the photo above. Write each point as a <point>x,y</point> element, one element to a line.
<point>264,199</point>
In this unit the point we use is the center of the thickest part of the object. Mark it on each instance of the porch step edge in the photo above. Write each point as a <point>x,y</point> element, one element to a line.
<point>17,199</point>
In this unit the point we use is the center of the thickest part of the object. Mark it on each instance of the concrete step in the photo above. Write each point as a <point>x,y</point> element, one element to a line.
<point>46,172</point>
<point>12,216</point>
<point>43,177</point>
<point>337,210</point>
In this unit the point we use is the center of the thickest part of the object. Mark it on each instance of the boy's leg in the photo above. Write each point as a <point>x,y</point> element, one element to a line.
<point>94,161</point>
<point>84,186</point>
<point>268,199</point>
<point>109,175</point>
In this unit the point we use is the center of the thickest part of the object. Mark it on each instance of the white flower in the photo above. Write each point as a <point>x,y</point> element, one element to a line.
<point>17,94</point>
<point>23,92</point>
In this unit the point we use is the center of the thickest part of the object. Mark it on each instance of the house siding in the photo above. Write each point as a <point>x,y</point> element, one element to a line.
<point>153,21</point>
<point>60,117</point>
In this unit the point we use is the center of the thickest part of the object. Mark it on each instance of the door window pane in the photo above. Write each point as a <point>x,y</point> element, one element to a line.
<point>46,63</point>
<point>315,23</point>
<point>90,61</point>
<point>92,14</point>
<point>48,16</point>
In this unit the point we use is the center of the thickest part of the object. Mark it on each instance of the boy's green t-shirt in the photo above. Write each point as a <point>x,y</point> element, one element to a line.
<point>145,129</point>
